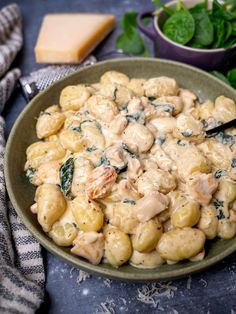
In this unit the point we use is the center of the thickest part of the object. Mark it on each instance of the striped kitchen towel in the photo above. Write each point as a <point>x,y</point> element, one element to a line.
<point>10,44</point>
<point>21,265</point>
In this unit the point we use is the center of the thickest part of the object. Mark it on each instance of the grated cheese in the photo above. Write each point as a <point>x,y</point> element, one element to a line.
<point>82,276</point>
<point>107,282</point>
<point>150,293</point>
<point>106,307</point>
<point>189,282</point>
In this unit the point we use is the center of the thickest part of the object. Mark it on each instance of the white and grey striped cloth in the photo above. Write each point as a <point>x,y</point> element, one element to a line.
<point>21,265</point>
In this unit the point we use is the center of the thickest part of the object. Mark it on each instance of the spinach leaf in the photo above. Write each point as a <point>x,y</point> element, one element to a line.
<point>162,106</point>
<point>130,41</point>
<point>219,173</point>
<point>160,139</point>
<point>230,42</point>
<point>44,113</point>
<point>220,12</point>
<point>136,117</point>
<point>233,163</point>
<point>231,76</point>
<point>159,4</point>
<point>126,148</point>
<point>79,129</point>
<point>195,45</point>
<point>129,201</point>
<point>233,24</point>
<point>66,175</point>
<point>221,214</point>
<point>225,138</point>
<point>151,98</point>
<point>30,172</point>
<point>105,161</point>
<point>132,44</point>
<point>219,33</point>
<point>180,27</point>
<point>187,133</point>
<point>218,204</point>
<point>228,30</point>
<point>204,31</point>
<point>205,123</point>
<point>181,143</point>
<point>125,107</point>
<point>91,149</point>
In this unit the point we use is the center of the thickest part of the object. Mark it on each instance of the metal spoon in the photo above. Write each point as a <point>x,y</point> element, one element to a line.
<point>220,128</point>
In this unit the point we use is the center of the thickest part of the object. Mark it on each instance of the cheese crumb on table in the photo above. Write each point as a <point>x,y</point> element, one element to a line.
<point>69,38</point>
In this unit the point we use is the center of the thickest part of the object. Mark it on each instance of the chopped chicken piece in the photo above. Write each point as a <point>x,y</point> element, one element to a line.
<point>134,168</point>
<point>89,245</point>
<point>232,215</point>
<point>100,181</point>
<point>151,205</point>
<point>201,186</point>
<point>118,124</point>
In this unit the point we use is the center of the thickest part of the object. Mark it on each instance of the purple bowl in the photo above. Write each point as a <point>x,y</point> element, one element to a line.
<point>206,59</point>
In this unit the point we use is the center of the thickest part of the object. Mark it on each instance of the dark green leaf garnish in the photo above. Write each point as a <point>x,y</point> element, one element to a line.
<point>91,149</point>
<point>218,204</point>
<point>225,138</point>
<point>231,75</point>
<point>219,173</point>
<point>159,4</point>
<point>30,172</point>
<point>204,32</point>
<point>44,113</point>
<point>103,161</point>
<point>151,99</point>
<point>126,148</point>
<point>130,41</point>
<point>205,123</point>
<point>220,214</point>
<point>187,133</point>
<point>181,143</point>
<point>165,107</point>
<point>114,93</point>
<point>129,201</point>
<point>160,139</point>
<point>66,175</point>
<point>180,27</point>
<point>233,163</point>
<point>220,12</point>
<point>79,129</point>
<point>136,117</point>
<point>125,107</point>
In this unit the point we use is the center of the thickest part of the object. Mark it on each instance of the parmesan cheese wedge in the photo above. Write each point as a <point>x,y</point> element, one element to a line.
<point>69,38</point>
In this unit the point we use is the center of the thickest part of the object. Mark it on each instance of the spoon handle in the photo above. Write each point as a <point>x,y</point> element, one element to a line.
<point>220,128</point>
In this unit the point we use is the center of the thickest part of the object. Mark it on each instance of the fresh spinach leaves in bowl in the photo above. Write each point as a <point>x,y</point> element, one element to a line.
<point>199,26</point>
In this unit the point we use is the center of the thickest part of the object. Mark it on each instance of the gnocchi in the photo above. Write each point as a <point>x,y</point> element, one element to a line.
<point>124,172</point>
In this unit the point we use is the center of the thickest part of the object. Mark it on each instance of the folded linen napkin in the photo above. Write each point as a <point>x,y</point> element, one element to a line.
<point>21,265</point>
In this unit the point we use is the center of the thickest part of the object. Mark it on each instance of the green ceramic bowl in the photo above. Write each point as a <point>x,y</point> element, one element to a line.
<point>23,134</point>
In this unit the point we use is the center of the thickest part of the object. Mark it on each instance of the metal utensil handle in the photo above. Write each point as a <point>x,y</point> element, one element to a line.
<point>222,127</point>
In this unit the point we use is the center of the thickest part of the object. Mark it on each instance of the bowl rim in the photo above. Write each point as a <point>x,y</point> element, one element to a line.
<point>115,273</point>
<point>164,37</point>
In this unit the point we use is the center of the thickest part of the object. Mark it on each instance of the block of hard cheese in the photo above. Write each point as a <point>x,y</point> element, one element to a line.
<point>70,37</point>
